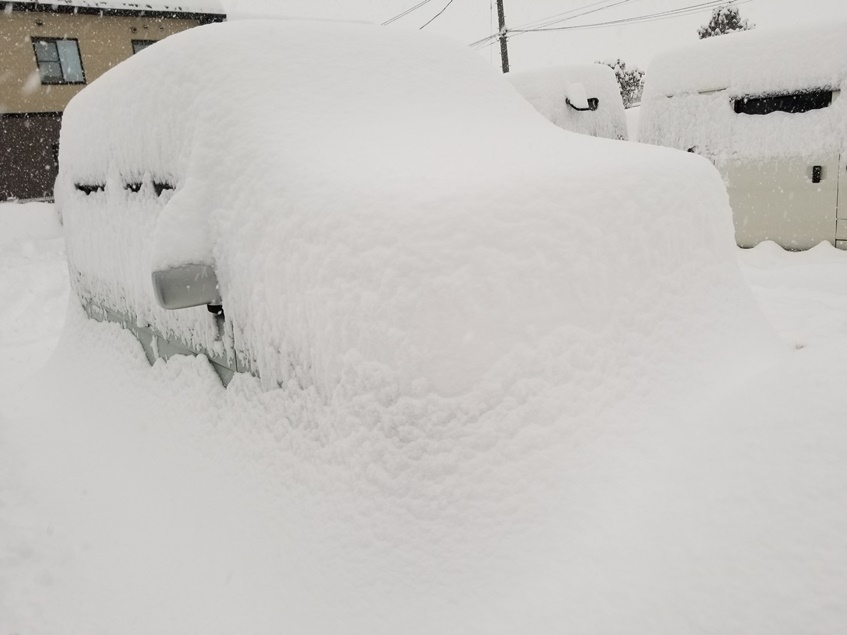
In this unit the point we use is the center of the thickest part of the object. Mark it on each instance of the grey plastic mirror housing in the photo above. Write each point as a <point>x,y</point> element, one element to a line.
<point>186,286</point>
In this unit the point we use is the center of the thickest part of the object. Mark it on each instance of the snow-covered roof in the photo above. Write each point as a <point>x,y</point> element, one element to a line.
<point>550,89</point>
<point>756,62</point>
<point>180,6</point>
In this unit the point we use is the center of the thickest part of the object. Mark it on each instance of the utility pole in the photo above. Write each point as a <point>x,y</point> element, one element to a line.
<point>504,51</point>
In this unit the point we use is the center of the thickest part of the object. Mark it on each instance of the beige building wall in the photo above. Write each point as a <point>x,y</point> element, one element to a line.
<point>104,41</point>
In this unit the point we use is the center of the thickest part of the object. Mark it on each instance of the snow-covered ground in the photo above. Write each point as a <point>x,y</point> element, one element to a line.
<point>633,119</point>
<point>33,286</point>
<point>151,500</point>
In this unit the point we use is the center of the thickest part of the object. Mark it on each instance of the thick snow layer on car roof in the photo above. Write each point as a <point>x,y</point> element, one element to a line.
<point>549,90</point>
<point>386,215</point>
<point>689,95</point>
<point>757,62</point>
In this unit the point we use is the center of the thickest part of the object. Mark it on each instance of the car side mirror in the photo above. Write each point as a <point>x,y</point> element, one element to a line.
<point>186,286</point>
<point>591,103</point>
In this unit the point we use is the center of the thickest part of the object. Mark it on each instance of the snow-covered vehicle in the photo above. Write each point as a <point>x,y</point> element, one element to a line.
<point>767,107</point>
<point>583,98</point>
<point>373,208</point>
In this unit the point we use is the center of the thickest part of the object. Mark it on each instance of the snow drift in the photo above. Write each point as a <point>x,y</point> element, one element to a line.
<point>550,89</point>
<point>140,500</point>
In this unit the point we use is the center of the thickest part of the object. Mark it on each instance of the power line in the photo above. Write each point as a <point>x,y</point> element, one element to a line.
<point>569,11</point>
<point>545,21</point>
<point>439,13</point>
<point>649,17</point>
<point>405,13</point>
<point>489,39</point>
<point>552,19</point>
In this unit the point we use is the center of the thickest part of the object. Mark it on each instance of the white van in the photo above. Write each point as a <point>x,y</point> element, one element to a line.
<point>766,107</point>
<point>584,98</point>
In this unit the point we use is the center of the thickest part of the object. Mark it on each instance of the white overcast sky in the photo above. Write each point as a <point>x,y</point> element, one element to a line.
<point>470,20</point>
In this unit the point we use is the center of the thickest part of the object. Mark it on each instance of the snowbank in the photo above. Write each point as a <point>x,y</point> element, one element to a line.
<point>28,222</point>
<point>689,93</point>
<point>33,288</point>
<point>804,293</point>
<point>139,500</point>
<point>395,221</point>
<point>549,89</point>
<point>633,119</point>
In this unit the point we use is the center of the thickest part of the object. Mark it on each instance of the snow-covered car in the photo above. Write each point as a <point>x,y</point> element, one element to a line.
<point>348,207</point>
<point>584,99</point>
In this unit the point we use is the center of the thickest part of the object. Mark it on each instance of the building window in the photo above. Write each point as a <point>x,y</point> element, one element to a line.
<point>793,103</point>
<point>140,45</point>
<point>58,61</point>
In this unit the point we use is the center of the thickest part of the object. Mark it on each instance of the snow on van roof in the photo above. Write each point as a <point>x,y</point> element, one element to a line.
<point>181,6</point>
<point>703,80</point>
<point>756,62</point>
<point>548,90</point>
<point>386,214</point>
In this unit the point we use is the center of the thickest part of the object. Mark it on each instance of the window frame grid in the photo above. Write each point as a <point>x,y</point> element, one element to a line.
<point>35,40</point>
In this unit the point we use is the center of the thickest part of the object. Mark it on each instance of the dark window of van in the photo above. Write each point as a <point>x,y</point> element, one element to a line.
<point>793,103</point>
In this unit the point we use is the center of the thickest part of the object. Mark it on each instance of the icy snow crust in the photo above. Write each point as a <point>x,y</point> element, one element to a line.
<point>388,217</point>
<point>689,93</point>
<point>547,90</point>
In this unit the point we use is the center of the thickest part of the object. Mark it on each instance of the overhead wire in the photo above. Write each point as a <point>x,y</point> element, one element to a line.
<point>544,21</point>
<point>569,11</point>
<point>494,36</point>
<point>438,14</point>
<point>569,15</point>
<point>649,17</point>
<point>405,13</point>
